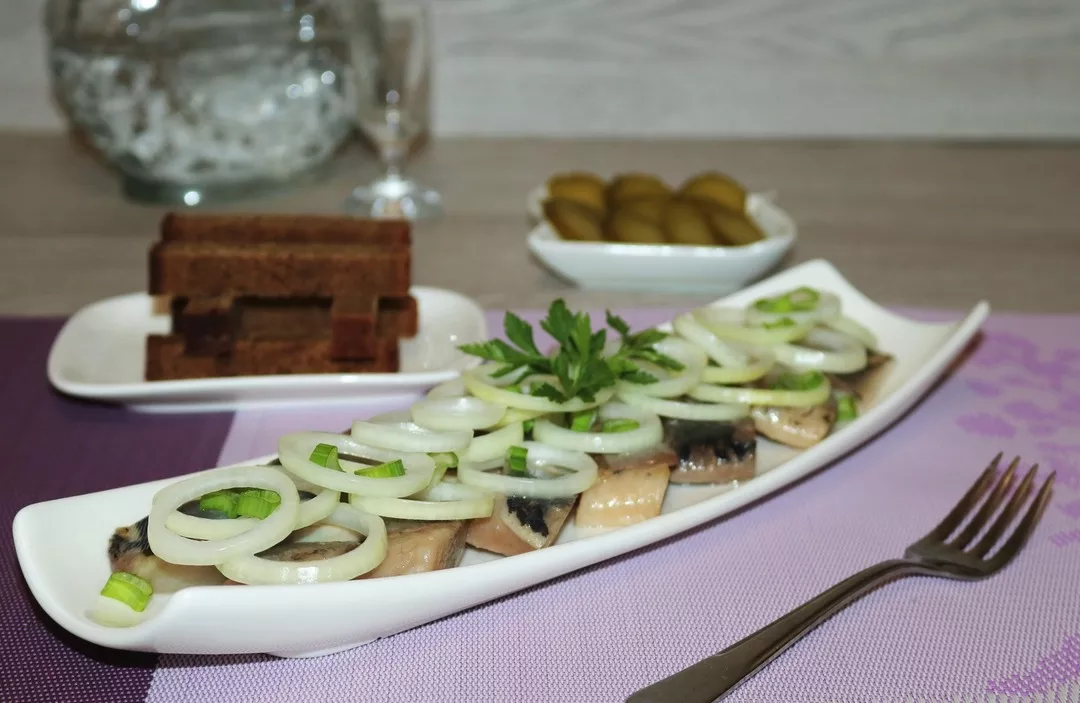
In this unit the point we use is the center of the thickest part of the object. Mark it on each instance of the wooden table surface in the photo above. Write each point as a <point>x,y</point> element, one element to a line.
<point>937,225</point>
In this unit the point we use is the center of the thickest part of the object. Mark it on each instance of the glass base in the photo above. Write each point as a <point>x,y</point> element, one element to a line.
<point>395,197</point>
<point>222,192</point>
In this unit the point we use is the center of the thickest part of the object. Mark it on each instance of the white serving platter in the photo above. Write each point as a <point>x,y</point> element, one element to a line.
<point>101,351</point>
<point>66,565</point>
<point>665,267</point>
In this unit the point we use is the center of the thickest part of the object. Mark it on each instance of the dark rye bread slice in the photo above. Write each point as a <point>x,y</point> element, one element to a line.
<point>300,229</point>
<point>357,322</point>
<point>166,360</point>
<point>277,269</point>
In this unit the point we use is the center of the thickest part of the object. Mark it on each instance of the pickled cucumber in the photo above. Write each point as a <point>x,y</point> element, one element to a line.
<point>716,188</point>
<point>579,186</point>
<point>630,186</point>
<point>651,208</point>
<point>686,223</point>
<point>732,228</point>
<point>625,226</point>
<point>574,221</point>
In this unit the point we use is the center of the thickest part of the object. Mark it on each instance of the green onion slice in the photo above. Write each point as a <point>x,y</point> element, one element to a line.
<point>391,469</point>
<point>129,589</point>
<point>326,455</point>
<point>516,460</point>
<point>257,503</point>
<point>445,460</point>
<point>528,426</point>
<point>805,381</point>
<point>220,501</point>
<point>619,425</point>
<point>846,410</point>
<point>583,421</point>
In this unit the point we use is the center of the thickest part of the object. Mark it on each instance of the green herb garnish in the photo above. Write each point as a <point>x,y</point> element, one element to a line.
<point>325,455</point>
<point>579,363</point>
<point>583,421</point>
<point>131,590</point>
<point>782,322</point>
<point>220,501</point>
<point>257,503</point>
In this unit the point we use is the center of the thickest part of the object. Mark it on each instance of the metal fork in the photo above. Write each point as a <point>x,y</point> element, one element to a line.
<point>933,555</point>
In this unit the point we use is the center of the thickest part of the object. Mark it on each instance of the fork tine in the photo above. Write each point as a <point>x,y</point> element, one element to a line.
<point>970,499</point>
<point>1008,514</point>
<point>1026,526</point>
<point>988,508</point>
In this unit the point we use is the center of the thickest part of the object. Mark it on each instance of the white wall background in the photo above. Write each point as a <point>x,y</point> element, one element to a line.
<point>670,68</point>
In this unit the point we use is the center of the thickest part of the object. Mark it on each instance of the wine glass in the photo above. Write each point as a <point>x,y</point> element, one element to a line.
<point>399,114</point>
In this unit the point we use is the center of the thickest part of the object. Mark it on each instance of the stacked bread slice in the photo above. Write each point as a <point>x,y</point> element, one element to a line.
<point>280,294</point>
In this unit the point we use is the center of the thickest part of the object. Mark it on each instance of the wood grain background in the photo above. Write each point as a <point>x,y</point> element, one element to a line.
<point>713,68</point>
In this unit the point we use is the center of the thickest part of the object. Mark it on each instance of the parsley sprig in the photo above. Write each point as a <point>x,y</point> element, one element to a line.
<point>580,363</point>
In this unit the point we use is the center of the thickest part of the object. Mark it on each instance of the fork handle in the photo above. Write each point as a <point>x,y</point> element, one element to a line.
<point>712,678</point>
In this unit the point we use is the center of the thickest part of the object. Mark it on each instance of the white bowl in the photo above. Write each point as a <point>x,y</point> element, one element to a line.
<point>665,267</point>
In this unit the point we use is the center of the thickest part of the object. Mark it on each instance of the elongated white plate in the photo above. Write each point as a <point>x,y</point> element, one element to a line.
<point>61,544</point>
<point>101,352</point>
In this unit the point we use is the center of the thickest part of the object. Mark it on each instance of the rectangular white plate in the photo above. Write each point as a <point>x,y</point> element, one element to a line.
<point>60,544</point>
<point>100,354</point>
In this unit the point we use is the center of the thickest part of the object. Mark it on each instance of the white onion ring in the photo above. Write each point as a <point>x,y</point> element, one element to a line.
<point>479,382</point>
<point>295,449</point>
<point>854,329</point>
<point>664,407</point>
<point>761,362</point>
<point>582,474</point>
<point>671,383</point>
<point>687,326</point>
<point>409,437</point>
<point>366,556</point>
<point>456,414</point>
<point>449,389</point>
<point>175,549</point>
<point>514,415</point>
<point>494,444</point>
<point>648,434</point>
<point>310,512</point>
<point>847,356</point>
<point>443,501</point>
<point>763,396</point>
<point>393,417</point>
<point>827,308</point>
<point>730,324</point>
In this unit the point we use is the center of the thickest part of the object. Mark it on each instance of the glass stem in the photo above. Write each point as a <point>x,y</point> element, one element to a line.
<point>393,159</point>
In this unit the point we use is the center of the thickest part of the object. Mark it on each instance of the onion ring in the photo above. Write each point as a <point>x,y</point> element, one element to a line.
<point>175,549</point>
<point>583,472</point>
<point>444,501</point>
<point>409,437</point>
<point>678,382</point>
<point>456,414</point>
<point>687,326</point>
<point>730,324</point>
<point>649,433</point>
<point>366,556</point>
<point>449,389</point>
<point>295,449</point>
<point>494,444</point>
<point>664,407</point>
<point>847,356</point>
<point>763,396</point>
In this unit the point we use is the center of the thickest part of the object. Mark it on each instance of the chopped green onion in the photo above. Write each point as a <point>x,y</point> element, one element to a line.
<point>516,460</point>
<point>129,589</point>
<point>528,426</point>
<point>846,409</point>
<point>391,469</point>
<point>446,460</point>
<point>326,455</point>
<point>619,425</point>
<point>221,502</point>
<point>515,388</point>
<point>799,381</point>
<point>781,304</point>
<point>583,421</point>
<point>257,503</point>
<point>782,322</point>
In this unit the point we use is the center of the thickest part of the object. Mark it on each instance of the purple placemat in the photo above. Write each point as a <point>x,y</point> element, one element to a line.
<point>599,634</point>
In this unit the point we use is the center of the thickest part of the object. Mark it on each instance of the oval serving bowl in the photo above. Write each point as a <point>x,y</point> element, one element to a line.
<point>669,268</point>
<point>65,565</point>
